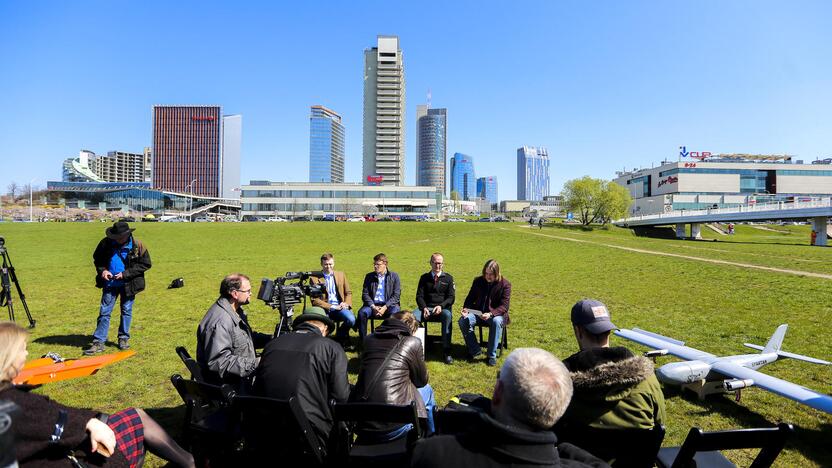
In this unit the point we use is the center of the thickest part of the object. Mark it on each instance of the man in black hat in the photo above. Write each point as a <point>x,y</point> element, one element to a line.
<point>613,388</point>
<point>120,262</point>
<point>306,365</point>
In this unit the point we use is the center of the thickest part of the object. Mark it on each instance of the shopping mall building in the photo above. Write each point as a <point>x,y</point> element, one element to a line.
<point>725,181</point>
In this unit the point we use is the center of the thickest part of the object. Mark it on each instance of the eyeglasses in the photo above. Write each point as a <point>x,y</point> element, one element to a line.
<point>379,264</point>
<point>245,291</point>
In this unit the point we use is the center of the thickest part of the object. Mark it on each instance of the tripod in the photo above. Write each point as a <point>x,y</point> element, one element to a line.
<point>7,277</point>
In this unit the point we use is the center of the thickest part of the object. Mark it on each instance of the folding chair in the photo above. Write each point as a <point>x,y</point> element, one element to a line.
<point>210,428</point>
<point>277,431</point>
<point>503,344</point>
<point>389,453</point>
<point>627,448</point>
<point>702,448</point>
<point>193,367</point>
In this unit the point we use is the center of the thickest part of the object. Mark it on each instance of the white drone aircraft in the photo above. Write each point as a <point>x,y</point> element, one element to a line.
<point>706,373</point>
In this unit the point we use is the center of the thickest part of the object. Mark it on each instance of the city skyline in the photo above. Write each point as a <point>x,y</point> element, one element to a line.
<point>618,87</point>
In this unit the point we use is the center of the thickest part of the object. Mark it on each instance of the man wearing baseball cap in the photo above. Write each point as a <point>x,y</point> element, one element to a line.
<point>307,365</point>
<point>613,388</point>
<point>120,262</point>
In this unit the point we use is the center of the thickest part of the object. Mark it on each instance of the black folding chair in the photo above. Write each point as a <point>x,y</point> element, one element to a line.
<point>624,448</point>
<point>702,448</point>
<point>503,344</point>
<point>367,453</point>
<point>193,367</point>
<point>277,432</point>
<point>210,428</point>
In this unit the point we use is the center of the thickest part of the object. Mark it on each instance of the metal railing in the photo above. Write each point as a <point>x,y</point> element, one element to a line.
<point>753,208</point>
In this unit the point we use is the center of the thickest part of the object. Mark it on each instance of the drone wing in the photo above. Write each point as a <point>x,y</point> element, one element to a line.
<point>781,387</point>
<point>656,341</point>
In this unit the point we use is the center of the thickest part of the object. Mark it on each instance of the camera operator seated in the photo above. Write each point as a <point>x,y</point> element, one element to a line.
<point>225,342</point>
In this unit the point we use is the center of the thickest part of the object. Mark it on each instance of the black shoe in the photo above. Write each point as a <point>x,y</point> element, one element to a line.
<point>123,344</point>
<point>95,348</point>
<point>491,362</point>
<point>474,357</point>
<point>448,359</point>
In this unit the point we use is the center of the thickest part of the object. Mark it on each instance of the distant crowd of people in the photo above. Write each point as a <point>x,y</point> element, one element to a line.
<point>535,396</point>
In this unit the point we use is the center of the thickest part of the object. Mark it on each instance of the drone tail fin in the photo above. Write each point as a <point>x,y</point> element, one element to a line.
<point>776,340</point>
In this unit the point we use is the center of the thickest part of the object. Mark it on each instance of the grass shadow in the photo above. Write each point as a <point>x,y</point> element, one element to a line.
<point>575,227</point>
<point>65,340</point>
<point>654,232</point>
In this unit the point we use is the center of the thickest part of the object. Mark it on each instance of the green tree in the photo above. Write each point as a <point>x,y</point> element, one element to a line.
<point>455,200</point>
<point>595,200</point>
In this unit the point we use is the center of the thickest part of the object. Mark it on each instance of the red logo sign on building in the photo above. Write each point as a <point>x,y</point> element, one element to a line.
<point>669,180</point>
<point>202,117</point>
<point>375,179</point>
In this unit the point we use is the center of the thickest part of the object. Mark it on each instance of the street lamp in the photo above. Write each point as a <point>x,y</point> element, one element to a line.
<point>190,210</point>
<point>30,198</point>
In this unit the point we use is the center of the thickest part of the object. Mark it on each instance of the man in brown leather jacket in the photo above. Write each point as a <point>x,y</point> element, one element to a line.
<point>336,301</point>
<point>393,371</point>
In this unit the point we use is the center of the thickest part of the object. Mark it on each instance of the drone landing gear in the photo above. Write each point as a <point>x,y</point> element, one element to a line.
<point>703,388</point>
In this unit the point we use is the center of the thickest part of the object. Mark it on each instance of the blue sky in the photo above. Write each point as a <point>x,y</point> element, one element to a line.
<point>603,85</point>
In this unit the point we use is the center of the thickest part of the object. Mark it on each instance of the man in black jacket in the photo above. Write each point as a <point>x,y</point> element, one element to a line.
<point>380,294</point>
<point>532,391</point>
<point>120,262</point>
<point>435,295</point>
<point>306,365</point>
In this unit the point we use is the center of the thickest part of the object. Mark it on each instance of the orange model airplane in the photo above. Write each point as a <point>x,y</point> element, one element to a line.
<point>46,370</point>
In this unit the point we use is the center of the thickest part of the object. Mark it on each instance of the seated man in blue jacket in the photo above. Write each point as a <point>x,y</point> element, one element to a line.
<point>380,294</point>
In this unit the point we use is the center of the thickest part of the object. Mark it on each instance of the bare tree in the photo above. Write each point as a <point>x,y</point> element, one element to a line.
<point>13,188</point>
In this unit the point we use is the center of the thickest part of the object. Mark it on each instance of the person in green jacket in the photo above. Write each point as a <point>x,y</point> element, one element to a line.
<point>613,388</point>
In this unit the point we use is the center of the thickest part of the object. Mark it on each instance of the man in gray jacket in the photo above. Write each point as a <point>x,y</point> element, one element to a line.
<point>225,342</point>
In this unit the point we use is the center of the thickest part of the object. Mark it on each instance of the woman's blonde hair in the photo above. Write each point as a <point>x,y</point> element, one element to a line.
<point>494,267</point>
<point>12,339</point>
<point>407,317</point>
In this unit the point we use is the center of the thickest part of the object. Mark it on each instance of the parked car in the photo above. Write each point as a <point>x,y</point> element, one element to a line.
<point>176,219</point>
<point>202,219</point>
<point>276,219</point>
<point>431,220</point>
<point>356,220</point>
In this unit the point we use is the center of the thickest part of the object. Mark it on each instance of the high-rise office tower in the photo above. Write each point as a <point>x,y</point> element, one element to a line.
<point>384,112</point>
<point>232,141</point>
<point>532,173</point>
<point>432,128</point>
<point>463,181</point>
<point>487,189</point>
<point>187,149</point>
<point>326,146</point>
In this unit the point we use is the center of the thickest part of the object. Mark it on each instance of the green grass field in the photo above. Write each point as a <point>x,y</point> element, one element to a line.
<point>712,306</point>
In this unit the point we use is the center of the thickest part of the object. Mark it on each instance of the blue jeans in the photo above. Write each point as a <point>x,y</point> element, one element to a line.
<point>495,333</point>
<point>430,402</point>
<point>108,301</point>
<point>446,319</point>
<point>347,319</point>
<point>364,316</point>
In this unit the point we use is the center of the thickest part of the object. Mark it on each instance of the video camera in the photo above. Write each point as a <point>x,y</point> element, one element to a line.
<point>279,295</point>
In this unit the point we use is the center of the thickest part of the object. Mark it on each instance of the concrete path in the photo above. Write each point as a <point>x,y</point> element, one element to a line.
<point>686,257</point>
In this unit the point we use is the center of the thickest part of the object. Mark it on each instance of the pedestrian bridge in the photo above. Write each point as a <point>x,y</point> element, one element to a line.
<point>818,210</point>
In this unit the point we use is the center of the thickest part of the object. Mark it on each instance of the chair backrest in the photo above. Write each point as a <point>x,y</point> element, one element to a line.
<point>358,412</point>
<point>456,421</point>
<point>277,430</point>
<point>770,439</point>
<point>193,367</point>
<point>618,447</point>
<point>201,398</point>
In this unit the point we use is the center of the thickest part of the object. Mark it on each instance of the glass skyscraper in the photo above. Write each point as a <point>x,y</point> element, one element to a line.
<point>326,146</point>
<point>487,189</point>
<point>432,127</point>
<point>463,181</point>
<point>532,173</point>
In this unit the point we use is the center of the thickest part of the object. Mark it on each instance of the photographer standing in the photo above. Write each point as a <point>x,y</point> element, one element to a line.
<point>120,262</point>
<point>225,342</point>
